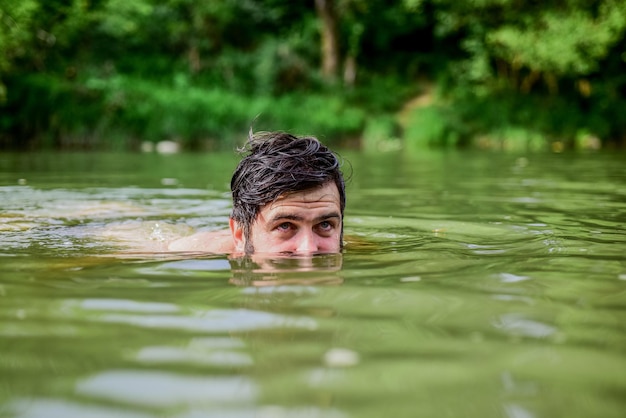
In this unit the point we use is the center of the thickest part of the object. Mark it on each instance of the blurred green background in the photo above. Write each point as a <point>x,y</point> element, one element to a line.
<point>373,74</point>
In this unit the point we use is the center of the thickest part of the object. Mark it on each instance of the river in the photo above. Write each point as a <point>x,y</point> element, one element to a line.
<point>472,285</point>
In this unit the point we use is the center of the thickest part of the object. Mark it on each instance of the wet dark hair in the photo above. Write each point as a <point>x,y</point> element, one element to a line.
<point>275,164</point>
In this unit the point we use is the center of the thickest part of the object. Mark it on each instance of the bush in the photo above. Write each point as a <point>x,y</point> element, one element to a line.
<point>121,111</point>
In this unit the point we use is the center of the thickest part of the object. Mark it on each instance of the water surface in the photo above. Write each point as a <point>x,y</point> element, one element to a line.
<point>472,285</point>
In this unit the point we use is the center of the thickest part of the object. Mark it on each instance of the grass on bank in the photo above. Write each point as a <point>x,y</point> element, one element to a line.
<point>121,111</point>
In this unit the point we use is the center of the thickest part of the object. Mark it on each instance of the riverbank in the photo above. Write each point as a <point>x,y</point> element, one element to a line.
<point>125,112</point>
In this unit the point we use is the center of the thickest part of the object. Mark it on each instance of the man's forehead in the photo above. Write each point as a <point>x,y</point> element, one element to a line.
<point>326,192</point>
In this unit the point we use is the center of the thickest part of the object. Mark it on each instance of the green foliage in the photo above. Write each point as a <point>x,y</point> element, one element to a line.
<point>539,67</point>
<point>15,35</point>
<point>122,19</point>
<point>429,127</point>
<point>566,41</point>
<point>130,109</point>
<point>567,38</point>
<point>86,71</point>
<point>194,114</point>
<point>381,132</point>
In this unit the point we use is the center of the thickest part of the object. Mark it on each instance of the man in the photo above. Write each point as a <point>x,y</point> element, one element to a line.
<point>288,198</point>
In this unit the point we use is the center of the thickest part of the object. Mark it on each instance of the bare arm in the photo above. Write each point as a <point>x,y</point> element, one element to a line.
<point>219,242</point>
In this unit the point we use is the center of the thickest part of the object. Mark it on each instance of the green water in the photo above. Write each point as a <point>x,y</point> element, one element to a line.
<point>472,285</point>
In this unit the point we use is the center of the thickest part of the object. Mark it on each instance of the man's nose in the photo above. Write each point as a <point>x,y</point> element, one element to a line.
<point>307,243</point>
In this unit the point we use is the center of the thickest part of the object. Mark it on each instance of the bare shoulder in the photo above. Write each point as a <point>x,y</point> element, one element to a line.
<point>220,242</point>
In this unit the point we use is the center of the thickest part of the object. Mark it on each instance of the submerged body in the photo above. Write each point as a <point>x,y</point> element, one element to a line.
<point>288,198</point>
<point>304,223</point>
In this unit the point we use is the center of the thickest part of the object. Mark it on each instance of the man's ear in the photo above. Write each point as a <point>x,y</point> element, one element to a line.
<point>237,232</point>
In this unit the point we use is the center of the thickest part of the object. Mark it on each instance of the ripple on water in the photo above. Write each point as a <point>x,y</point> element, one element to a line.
<point>126,305</point>
<point>191,355</point>
<point>186,265</point>
<point>39,408</point>
<point>95,218</point>
<point>517,325</point>
<point>213,321</point>
<point>164,389</point>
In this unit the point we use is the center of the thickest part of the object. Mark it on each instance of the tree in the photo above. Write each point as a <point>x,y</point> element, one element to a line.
<point>524,43</point>
<point>329,38</point>
<point>16,33</point>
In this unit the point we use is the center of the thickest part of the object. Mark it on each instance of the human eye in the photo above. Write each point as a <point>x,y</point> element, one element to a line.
<point>284,227</point>
<point>326,226</point>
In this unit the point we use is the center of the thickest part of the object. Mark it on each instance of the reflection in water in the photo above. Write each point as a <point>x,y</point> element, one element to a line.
<point>41,408</point>
<point>127,305</point>
<point>261,270</point>
<point>193,355</point>
<point>161,389</point>
<point>515,324</point>
<point>53,408</point>
<point>212,321</point>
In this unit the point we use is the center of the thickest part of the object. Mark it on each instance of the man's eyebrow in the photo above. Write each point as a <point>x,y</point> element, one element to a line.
<point>286,216</point>
<point>292,217</point>
<point>327,216</point>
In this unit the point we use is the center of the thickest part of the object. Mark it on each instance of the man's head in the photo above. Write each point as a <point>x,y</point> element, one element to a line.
<point>288,196</point>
